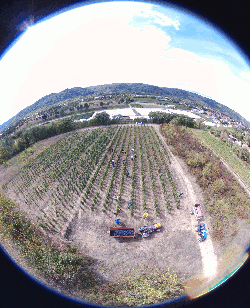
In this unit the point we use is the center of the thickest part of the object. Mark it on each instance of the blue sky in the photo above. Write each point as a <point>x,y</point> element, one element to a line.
<point>122,42</point>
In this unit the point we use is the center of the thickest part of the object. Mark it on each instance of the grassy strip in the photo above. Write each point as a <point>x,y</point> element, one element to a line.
<point>227,154</point>
<point>226,200</point>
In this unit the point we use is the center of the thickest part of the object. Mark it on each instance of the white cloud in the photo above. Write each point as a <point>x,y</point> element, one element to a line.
<point>160,18</point>
<point>212,78</point>
<point>52,57</point>
<point>100,51</point>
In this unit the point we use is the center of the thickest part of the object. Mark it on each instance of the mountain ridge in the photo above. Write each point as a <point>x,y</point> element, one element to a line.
<point>132,88</point>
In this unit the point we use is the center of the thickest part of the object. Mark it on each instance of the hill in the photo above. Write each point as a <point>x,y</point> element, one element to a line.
<point>126,88</point>
<point>6,123</point>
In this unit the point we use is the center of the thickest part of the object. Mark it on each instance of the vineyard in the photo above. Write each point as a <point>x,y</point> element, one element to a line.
<point>77,173</point>
<point>75,188</point>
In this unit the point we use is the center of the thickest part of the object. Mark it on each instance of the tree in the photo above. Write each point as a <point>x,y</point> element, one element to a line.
<point>117,118</point>
<point>45,116</point>
<point>101,104</point>
<point>244,154</point>
<point>184,121</point>
<point>160,117</point>
<point>247,138</point>
<point>200,123</point>
<point>64,126</point>
<point>86,105</point>
<point>19,145</point>
<point>102,118</point>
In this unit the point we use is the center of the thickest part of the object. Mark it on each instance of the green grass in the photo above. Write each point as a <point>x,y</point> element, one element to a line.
<point>145,287</point>
<point>225,201</point>
<point>227,154</point>
<point>84,115</point>
<point>117,107</point>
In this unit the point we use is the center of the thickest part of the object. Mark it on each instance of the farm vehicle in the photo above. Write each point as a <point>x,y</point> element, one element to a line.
<point>123,232</point>
<point>146,231</point>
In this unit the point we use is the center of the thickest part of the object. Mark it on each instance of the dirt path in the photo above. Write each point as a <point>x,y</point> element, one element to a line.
<point>209,259</point>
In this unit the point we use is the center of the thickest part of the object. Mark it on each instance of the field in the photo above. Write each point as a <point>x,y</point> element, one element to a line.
<point>238,166</point>
<point>77,174</point>
<point>226,200</point>
<point>73,193</point>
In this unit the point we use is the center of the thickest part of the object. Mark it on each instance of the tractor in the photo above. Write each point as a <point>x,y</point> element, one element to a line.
<point>146,231</point>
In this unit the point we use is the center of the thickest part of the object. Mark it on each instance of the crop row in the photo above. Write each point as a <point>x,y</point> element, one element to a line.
<point>115,167</point>
<point>124,172</point>
<point>100,165</point>
<point>159,145</point>
<point>142,174</point>
<point>151,174</point>
<point>155,148</point>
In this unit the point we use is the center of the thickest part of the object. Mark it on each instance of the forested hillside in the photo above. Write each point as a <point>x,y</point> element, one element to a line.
<point>128,88</point>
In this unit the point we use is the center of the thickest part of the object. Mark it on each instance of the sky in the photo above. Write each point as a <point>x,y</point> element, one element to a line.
<point>124,42</point>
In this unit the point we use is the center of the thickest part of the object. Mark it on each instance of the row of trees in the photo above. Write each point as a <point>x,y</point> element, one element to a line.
<point>23,139</point>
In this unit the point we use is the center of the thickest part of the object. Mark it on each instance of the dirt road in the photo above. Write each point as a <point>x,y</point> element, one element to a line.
<point>209,259</point>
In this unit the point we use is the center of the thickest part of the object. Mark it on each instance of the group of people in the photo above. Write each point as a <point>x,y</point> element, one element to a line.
<point>133,157</point>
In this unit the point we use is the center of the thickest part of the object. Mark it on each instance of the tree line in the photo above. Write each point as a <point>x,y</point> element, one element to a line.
<point>23,139</point>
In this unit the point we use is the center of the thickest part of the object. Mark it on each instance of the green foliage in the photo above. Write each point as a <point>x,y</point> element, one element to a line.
<point>196,159</point>
<point>245,155</point>
<point>160,117</point>
<point>184,121</point>
<point>228,154</point>
<point>145,287</point>
<point>102,118</point>
<point>225,198</point>
<point>68,269</point>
